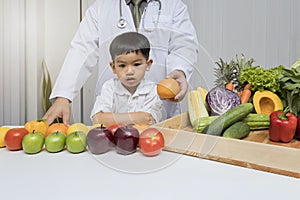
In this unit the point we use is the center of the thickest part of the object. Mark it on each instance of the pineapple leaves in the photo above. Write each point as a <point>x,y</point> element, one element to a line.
<point>229,72</point>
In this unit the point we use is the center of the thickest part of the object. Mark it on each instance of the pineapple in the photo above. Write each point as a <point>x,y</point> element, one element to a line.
<point>229,72</point>
<point>240,65</point>
<point>224,73</point>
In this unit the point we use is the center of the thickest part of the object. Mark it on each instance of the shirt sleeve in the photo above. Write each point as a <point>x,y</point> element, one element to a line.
<point>104,101</point>
<point>81,58</point>
<point>183,44</point>
<point>153,105</point>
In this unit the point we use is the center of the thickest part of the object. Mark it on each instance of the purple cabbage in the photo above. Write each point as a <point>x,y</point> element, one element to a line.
<point>220,100</point>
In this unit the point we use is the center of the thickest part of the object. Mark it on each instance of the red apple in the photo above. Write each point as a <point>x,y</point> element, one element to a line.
<point>13,138</point>
<point>114,127</point>
<point>126,139</point>
<point>99,140</point>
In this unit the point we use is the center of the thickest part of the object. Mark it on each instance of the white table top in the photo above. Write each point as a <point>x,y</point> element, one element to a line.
<point>112,176</point>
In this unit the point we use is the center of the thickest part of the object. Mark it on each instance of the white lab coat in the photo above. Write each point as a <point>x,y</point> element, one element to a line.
<point>173,42</point>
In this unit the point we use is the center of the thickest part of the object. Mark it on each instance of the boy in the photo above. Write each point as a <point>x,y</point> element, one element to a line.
<point>129,98</point>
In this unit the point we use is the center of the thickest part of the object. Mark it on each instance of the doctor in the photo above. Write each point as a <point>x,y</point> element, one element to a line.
<point>165,23</point>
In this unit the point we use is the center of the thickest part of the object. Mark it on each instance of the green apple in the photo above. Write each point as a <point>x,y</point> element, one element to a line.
<point>76,142</point>
<point>33,143</point>
<point>55,142</point>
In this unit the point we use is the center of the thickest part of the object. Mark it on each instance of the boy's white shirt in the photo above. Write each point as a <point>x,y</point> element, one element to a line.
<point>116,98</point>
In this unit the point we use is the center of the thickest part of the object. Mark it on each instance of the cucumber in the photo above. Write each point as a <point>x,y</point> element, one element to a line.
<point>254,117</point>
<point>258,125</point>
<point>257,121</point>
<point>217,126</point>
<point>202,122</point>
<point>237,130</point>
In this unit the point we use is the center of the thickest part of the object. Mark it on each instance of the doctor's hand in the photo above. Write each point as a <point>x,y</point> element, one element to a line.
<point>179,76</point>
<point>60,108</point>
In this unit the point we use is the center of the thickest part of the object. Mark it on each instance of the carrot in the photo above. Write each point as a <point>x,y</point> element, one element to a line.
<point>245,96</point>
<point>229,86</point>
<point>247,86</point>
<point>239,93</point>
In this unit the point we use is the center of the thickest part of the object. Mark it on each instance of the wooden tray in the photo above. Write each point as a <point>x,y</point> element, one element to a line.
<point>255,151</point>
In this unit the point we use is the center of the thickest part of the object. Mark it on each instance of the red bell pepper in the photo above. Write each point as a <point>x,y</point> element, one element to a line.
<point>282,126</point>
<point>298,128</point>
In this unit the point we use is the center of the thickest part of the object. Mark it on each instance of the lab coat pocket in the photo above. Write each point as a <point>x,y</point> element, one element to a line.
<point>157,21</point>
<point>158,29</point>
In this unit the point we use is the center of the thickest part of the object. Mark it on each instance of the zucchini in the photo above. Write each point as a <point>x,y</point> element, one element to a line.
<point>237,130</point>
<point>202,122</point>
<point>258,125</point>
<point>253,117</point>
<point>257,121</point>
<point>217,126</point>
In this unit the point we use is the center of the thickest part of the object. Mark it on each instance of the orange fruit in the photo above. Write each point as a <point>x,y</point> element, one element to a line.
<point>57,127</point>
<point>141,127</point>
<point>37,126</point>
<point>167,88</point>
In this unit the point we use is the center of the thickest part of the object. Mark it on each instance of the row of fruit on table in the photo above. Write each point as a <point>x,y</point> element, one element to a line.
<point>37,135</point>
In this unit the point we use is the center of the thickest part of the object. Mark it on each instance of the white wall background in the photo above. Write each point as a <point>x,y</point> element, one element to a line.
<point>12,61</point>
<point>267,30</point>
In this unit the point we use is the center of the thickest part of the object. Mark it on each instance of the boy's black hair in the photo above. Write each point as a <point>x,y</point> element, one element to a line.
<point>129,42</point>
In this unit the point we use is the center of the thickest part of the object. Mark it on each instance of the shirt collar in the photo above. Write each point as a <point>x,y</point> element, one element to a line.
<point>145,87</point>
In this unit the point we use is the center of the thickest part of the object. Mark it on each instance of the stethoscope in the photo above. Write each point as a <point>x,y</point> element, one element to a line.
<point>122,23</point>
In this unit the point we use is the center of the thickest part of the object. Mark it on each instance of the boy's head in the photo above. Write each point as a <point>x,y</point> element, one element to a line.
<point>130,59</point>
<point>129,42</point>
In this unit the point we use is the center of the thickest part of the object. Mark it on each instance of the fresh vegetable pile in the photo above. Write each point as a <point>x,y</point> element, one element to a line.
<point>246,98</point>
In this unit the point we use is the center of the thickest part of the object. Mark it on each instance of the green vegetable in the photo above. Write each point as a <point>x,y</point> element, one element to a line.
<point>217,126</point>
<point>296,64</point>
<point>238,130</point>
<point>257,121</point>
<point>254,117</point>
<point>262,79</point>
<point>290,80</point>
<point>202,122</point>
<point>258,125</point>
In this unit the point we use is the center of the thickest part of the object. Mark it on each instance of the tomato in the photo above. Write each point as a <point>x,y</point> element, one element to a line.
<point>114,127</point>
<point>151,142</point>
<point>13,138</point>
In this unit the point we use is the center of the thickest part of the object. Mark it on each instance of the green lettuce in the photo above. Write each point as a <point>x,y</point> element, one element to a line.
<point>262,79</point>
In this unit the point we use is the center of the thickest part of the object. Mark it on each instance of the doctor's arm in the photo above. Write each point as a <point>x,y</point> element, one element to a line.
<point>183,48</point>
<point>79,62</point>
